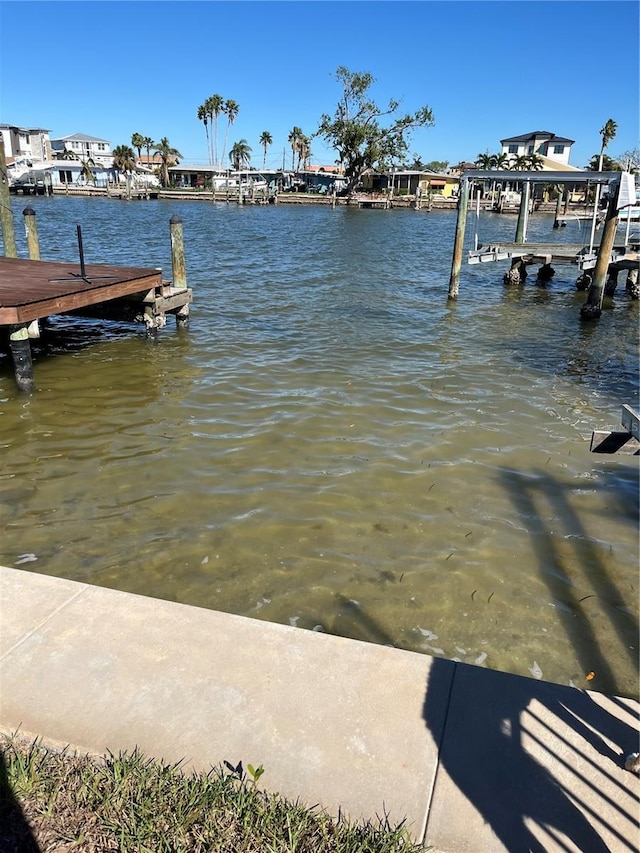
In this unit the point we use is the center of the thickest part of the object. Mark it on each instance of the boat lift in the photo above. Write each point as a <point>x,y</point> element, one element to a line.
<point>622,195</point>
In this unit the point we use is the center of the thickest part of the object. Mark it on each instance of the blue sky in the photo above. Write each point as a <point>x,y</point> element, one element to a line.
<point>488,70</point>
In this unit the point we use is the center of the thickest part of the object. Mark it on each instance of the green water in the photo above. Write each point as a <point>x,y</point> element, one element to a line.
<point>331,444</point>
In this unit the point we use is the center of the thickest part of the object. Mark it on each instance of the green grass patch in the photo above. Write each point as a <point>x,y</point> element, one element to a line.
<point>53,800</point>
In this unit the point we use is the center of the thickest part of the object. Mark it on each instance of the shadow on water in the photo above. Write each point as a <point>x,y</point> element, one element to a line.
<point>15,833</point>
<point>571,584</point>
<point>504,746</point>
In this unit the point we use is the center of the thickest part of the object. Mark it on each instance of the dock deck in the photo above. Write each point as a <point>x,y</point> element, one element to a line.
<point>31,290</point>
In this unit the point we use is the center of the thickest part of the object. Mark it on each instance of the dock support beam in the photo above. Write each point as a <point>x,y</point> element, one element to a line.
<point>6,216</point>
<point>22,361</point>
<point>456,263</point>
<point>592,308</point>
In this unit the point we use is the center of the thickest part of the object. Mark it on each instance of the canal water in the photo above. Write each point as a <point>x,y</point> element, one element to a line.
<point>333,446</point>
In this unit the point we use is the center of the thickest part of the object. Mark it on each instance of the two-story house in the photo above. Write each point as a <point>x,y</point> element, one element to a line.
<point>25,144</point>
<point>84,147</point>
<point>556,149</point>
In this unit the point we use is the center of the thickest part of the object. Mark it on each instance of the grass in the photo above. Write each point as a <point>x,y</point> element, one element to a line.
<point>56,801</point>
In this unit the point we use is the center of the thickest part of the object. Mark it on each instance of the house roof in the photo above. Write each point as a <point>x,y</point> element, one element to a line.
<point>24,129</point>
<point>537,134</point>
<point>79,137</point>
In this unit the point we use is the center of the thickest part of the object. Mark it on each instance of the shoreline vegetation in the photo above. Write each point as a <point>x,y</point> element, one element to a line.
<point>54,799</point>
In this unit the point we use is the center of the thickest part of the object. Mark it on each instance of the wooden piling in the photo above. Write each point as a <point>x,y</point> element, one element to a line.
<point>177,253</point>
<point>592,308</point>
<point>33,246</point>
<point>456,263</point>
<point>22,361</point>
<point>31,228</point>
<point>6,216</point>
<point>523,213</point>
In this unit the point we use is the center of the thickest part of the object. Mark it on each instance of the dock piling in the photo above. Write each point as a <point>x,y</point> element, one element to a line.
<point>463,206</point>
<point>177,253</point>
<point>22,361</point>
<point>523,213</point>
<point>592,308</point>
<point>6,216</point>
<point>31,229</point>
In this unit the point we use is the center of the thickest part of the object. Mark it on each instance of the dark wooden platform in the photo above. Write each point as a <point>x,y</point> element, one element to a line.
<point>31,290</point>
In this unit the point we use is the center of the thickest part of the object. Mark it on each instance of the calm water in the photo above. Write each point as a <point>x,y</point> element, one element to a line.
<point>331,445</point>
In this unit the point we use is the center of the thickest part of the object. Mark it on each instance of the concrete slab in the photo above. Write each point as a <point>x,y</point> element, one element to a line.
<point>530,766</point>
<point>45,597</point>
<point>333,721</point>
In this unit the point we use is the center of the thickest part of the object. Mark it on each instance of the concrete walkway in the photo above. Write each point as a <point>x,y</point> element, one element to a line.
<point>476,760</point>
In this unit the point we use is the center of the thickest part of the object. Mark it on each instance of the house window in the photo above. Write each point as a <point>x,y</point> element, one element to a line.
<point>513,149</point>
<point>544,148</point>
<point>530,149</point>
<point>65,176</point>
<point>558,149</point>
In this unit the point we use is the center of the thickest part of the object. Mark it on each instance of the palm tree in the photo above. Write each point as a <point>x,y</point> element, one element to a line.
<point>124,158</point>
<point>484,161</point>
<point>137,141</point>
<point>607,132</point>
<point>304,151</point>
<point>214,105</point>
<point>86,171</point>
<point>534,162</point>
<point>265,140</point>
<point>147,142</point>
<point>240,154</point>
<point>68,155</point>
<point>520,163</point>
<point>203,116</point>
<point>294,140</point>
<point>230,109</point>
<point>167,155</point>
<point>500,161</point>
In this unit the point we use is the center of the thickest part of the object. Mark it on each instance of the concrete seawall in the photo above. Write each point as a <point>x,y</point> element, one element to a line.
<point>476,760</point>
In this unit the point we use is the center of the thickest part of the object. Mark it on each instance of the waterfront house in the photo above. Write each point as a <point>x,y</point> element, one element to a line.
<point>25,148</point>
<point>408,182</point>
<point>84,147</point>
<point>555,150</point>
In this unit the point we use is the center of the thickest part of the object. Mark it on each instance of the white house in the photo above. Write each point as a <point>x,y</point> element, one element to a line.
<point>84,147</point>
<point>556,149</point>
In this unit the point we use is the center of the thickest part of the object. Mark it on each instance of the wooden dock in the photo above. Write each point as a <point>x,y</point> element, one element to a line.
<point>31,290</point>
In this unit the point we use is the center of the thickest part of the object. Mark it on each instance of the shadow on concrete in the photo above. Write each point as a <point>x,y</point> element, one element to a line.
<point>15,833</point>
<point>521,752</point>
<point>576,576</point>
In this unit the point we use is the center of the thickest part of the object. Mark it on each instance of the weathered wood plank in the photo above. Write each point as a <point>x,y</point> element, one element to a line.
<point>631,421</point>
<point>605,441</point>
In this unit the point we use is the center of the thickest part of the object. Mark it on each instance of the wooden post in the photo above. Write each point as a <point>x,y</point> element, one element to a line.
<point>592,308</point>
<point>456,263</point>
<point>556,223</point>
<point>521,227</point>
<point>32,233</point>
<point>34,254</point>
<point>6,216</point>
<point>177,253</point>
<point>21,352</point>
